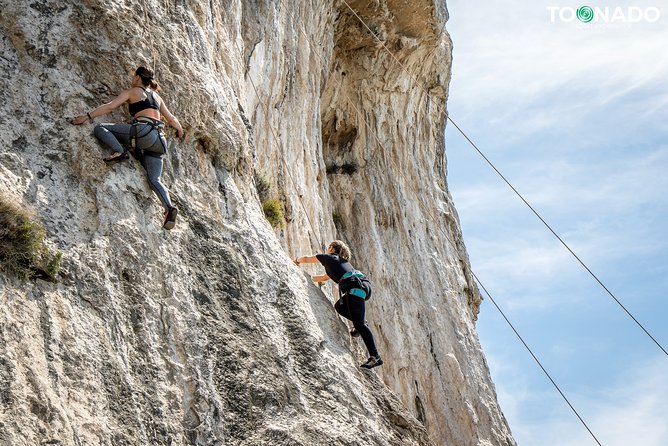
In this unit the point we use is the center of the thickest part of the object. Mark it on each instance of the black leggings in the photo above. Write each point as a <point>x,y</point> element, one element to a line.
<point>352,308</point>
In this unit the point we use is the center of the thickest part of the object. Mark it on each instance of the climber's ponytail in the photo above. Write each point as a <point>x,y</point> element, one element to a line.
<point>147,79</point>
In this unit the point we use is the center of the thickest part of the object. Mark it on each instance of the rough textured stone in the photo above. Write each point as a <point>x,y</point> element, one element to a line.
<point>208,335</point>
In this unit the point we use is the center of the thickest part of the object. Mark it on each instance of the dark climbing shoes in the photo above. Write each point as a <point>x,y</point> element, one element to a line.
<point>123,156</point>
<point>373,361</point>
<point>170,218</point>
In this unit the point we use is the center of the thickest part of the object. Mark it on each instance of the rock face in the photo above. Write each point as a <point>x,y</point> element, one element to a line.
<point>208,334</point>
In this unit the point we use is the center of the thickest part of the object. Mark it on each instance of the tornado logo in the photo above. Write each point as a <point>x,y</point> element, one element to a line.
<point>585,14</point>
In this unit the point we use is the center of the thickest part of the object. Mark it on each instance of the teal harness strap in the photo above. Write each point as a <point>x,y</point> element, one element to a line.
<point>357,292</point>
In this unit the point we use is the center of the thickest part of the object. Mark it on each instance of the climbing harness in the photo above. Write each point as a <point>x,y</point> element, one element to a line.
<point>355,283</point>
<point>149,125</point>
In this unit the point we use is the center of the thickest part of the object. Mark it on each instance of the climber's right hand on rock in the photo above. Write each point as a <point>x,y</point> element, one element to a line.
<point>78,120</point>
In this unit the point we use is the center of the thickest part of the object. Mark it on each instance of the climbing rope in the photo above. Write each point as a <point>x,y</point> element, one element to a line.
<point>361,115</point>
<point>526,346</point>
<point>265,109</point>
<point>562,241</point>
<point>535,358</point>
<point>600,282</point>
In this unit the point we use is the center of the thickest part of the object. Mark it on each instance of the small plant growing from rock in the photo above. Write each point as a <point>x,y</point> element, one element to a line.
<point>271,206</point>
<point>347,168</point>
<point>22,248</point>
<point>273,212</point>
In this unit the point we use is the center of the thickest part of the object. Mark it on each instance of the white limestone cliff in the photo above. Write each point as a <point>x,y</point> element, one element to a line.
<point>208,334</point>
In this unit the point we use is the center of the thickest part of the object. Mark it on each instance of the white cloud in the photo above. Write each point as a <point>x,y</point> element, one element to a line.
<point>599,210</point>
<point>630,411</point>
<point>504,63</point>
<point>518,258</point>
<point>617,185</point>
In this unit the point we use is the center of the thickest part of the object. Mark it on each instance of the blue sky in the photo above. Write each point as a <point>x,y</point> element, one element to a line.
<point>576,116</point>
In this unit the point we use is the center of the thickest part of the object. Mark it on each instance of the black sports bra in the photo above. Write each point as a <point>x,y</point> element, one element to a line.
<point>149,102</point>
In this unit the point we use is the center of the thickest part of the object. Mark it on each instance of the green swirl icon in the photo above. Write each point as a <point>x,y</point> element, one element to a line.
<point>585,14</point>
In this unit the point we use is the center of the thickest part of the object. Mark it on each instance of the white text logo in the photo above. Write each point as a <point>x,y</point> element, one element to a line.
<point>588,14</point>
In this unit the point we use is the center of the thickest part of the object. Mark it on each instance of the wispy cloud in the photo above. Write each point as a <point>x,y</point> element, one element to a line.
<point>619,183</point>
<point>578,68</point>
<point>629,412</point>
<point>623,181</point>
<point>601,209</point>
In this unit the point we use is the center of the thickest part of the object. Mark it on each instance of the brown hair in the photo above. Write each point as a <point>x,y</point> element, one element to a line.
<point>341,249</point>
<point>146,76</point>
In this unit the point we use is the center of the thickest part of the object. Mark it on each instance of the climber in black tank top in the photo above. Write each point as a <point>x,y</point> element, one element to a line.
<point>144,133</point>
<point>349,305</point>
<point>147,103</point>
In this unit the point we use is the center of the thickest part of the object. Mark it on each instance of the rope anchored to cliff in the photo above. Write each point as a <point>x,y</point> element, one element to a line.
<point>448,238</point>
<point>596,278</point>
<point>265,109</point>
<point>535,358</point>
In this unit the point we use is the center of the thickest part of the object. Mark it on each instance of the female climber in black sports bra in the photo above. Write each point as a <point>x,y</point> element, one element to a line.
<point>144,133</point>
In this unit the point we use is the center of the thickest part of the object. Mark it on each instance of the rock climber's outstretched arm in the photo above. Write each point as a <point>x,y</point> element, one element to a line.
<point>312,259</point>
<point>104,108</point>
<point>306,259</point>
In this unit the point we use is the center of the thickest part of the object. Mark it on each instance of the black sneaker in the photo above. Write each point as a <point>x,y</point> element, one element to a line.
<point>170,218</point>
<point>373,361</point>
<point>354,333</point>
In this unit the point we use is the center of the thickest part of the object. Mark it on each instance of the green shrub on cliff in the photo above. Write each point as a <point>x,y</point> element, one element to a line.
<point>22,248</point>
<point>271,206</point>
<point>273,212</point>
